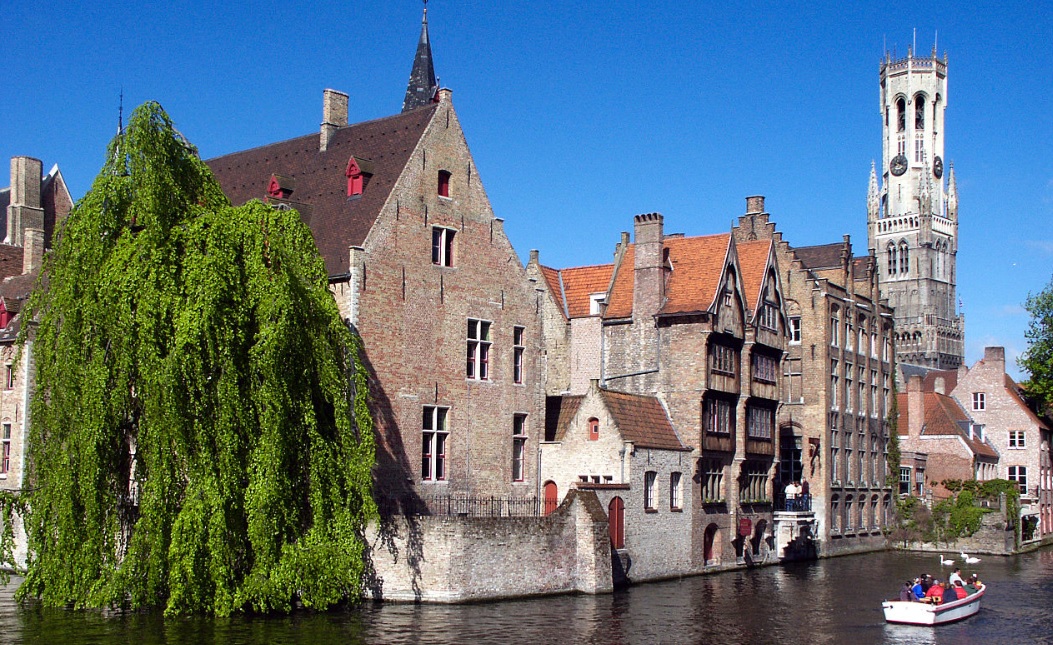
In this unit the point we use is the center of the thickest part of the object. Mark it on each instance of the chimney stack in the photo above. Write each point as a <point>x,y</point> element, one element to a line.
<point>33,253</point>
<point>25,210</point>
<point>755,205</point>
<point>915,406</point>
<point>649,283</point>
<point>995,357</point>
<point>334,116</point>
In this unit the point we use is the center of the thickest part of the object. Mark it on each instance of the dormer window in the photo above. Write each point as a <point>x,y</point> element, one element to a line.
<point>280,187</point>
<point>444,183</point>
<point>358,173</point>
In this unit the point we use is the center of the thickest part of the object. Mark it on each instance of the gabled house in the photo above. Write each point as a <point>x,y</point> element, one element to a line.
<point>624,448</point>
<point>421,267</point>
<point>1022,439</point>
<point>955,445</point>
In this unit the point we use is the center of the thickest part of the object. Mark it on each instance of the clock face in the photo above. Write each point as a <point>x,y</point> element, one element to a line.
<point>937,167</point>
<point>898,165</point>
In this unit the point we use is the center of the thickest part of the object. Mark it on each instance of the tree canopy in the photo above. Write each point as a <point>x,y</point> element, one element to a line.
<point>199,438</point>
<point>1037,360</point>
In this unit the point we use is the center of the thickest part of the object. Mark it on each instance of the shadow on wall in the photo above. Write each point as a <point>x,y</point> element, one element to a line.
<point>393,491</point>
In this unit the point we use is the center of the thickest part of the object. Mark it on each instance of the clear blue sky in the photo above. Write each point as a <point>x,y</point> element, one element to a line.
<point>581,115</point>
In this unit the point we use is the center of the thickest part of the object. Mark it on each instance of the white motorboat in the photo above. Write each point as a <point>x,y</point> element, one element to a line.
<point>922,613</point>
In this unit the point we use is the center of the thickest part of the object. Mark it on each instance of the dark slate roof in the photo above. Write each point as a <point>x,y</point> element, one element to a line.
<point>422,86</point>
<point>823,256</point>
<point>336,221</point>
<point>10,259</point>
<point>642,420</point>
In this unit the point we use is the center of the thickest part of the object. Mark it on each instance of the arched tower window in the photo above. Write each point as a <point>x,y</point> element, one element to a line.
<point>904,258</point>
<point>901,114</point>
<point>891,259</point>
<point>919,111</point>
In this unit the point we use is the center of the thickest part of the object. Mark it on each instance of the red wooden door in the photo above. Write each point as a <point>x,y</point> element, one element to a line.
<point>551,497</point>
<point>616,522</point>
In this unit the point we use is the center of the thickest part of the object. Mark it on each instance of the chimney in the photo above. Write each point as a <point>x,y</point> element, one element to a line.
<point>535,257</point>
<point>939,386</point>
<point>24,210</point>
<point>755,205</point>
<point>915,406</point>
<point>649,283</point>
<point>334,116</point>
<point>33,253</point>
<point>995,357</point>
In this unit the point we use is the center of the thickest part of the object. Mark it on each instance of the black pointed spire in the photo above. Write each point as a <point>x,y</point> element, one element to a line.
<point>422,86</point>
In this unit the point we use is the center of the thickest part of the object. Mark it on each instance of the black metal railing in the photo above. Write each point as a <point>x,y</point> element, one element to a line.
<point>800,504</point>
<point>463,506</point>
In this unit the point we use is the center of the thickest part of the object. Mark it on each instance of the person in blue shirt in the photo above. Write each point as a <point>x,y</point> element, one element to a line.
<point>917,589</point>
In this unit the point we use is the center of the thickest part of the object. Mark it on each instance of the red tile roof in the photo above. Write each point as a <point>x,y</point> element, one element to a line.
<point>642,420</point>
<point>555,286</point>
<point>943,417</point>
<point>753,262</point>
<point>579,283</point>
<point>336,221</point>
<point>691,286</point>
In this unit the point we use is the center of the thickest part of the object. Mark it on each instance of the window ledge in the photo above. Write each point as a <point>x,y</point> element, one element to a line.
<point>650,510</point>
<point>676,509</point>
<point>444,198</point>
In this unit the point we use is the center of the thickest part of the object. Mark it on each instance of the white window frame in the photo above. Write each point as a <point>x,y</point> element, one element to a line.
<point>519,441</point>
<point>435,433</point>
<point>676,492</point>
<point>650,482</point>
<point>478,349</point>
<point>979,401</point>
<point>1017,439</point>
<point>442,245</point>
<point>795,330</point>
<point>518,351</point>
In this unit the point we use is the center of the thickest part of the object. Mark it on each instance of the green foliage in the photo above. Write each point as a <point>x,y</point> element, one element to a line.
<point>199,439</point>
<point>1037,359</point>
<point>892,458</point>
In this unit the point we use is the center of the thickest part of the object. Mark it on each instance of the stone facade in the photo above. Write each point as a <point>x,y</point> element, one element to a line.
<point>837,384</point>
<point>912,219</point>
<point>1020,437</point>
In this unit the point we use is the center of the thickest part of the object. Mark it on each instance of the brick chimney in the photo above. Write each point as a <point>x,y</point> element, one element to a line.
<point>334,116</point>
<point>915,406</point>
<point>649,283</point>
<point>995,358</point>
<point>24,210</point>
<point>33,253</point>
<point>755,205</point>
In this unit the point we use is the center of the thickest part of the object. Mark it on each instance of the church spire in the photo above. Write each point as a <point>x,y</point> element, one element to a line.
<point>422,86</point>
<point>952,196</point>
<point>873,199</point>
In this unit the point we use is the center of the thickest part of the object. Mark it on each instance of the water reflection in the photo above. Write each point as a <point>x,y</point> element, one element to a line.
<point>833,601</point>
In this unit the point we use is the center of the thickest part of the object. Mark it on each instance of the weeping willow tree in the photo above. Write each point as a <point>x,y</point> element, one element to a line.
<point>199,438</point>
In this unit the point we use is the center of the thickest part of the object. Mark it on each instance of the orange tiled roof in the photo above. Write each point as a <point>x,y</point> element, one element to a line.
<point>642,420</point>
<point>942,418</point>
<point>620,299</point>
<point>581,282</point>
<point>551,277</point>
<point>753,262</point>
<point>698,264</point>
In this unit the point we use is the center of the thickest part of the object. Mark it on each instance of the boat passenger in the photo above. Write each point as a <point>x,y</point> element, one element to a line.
<point>917,589</point>
<point>955,577</point>
<point>949,593</point>
<point>935,593</point>
<point>905,594</point>
<point>959,589</point>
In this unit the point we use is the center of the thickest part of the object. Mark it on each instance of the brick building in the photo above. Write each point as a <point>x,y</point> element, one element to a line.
<point>423,270</point>
<point>954,445</point>
<point>35,205</point>
<point>837,383</point>
<point>1022,439</point>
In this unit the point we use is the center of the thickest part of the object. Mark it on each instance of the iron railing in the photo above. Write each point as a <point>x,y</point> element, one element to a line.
<point>464,506</point>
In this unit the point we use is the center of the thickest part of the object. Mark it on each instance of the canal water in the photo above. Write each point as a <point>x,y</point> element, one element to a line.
<point>832,601</point>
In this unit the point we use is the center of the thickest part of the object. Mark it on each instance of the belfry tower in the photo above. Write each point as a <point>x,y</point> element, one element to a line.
<point>912,217</point>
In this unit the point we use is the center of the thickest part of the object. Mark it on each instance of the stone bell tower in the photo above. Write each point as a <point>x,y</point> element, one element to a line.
<point>912,216</point>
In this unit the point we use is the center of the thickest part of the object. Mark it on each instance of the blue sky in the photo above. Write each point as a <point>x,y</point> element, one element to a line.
<point>581,115</point>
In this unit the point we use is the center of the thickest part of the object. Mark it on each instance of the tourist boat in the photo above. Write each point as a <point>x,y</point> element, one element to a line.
<point>921,613</point>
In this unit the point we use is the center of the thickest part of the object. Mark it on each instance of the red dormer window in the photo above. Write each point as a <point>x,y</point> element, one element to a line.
<point>444,183</point>
<point>358,173</point>
<point>280,187</point>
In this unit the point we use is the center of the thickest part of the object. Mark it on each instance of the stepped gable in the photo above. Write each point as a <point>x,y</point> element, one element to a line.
<point>642,420</point>
<point>337,221</point>
<point>753,260</point>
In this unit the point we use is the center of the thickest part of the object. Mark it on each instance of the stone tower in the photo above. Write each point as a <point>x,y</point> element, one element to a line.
<point>912,217</point>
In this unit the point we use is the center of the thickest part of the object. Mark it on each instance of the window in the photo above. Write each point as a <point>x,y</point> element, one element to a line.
<point>444,183</point>
<point>904,258</point>
<point>5,458</point>
<point>760,422</point>
<point>919,149</point>
<point>9,377</point>
<point>433,443</point>
<point>795,330</point>
<point>712,481</point>
<point>849,336</point>
<point>358,173</point>
<point>979,401</point>
<point>769,316</point>
<point>919,112</point>
<point>478,349</point>
<point>596,303</point>
<point>519,439</point>
<point>649,490</point>
<point>833,384</point>
<point>723,358</point>
<point>901,114</point>
<point>764,368</point>
<point>755,484</point>
<point>835,328</point>
<point>517,354</point>
<point>676,494</point>
<point>1018,474</point>
<point>442,246</point>
<point>904,481</point>
<point>594,429</point>
<point>891,259</point>
<point>1017,439</point>
<point>719,416</point>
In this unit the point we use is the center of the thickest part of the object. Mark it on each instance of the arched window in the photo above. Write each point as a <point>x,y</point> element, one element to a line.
<point>919,111</point>
<point>891,259</point>
<point>904,258</point>
<point>594,429</point>
<point>901,114</point>
<point>444,183</point>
